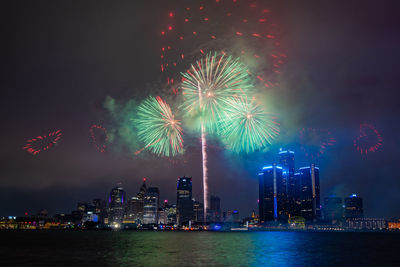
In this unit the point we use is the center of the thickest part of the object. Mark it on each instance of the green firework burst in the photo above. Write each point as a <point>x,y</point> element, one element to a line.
<point>157,127</point>
<point>246,127</point>
<point>209,83</point>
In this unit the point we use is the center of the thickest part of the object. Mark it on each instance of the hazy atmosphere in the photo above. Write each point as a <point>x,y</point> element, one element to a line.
<point>71,64</point>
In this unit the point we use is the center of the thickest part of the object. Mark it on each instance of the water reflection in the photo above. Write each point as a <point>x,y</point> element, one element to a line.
<point>125,248</point>
<point>251,249</point>
<point>209,248</point>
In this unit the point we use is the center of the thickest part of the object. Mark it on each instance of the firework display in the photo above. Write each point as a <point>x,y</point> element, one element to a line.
<point>246,127</point>
<point>157,127</point>
<point>42,143</point>
<point>242,28</point>
<point>369,140</point>
<point>209,83</point>
<point>99,137</point>
<point>207,87</point>
<point>314,142</point>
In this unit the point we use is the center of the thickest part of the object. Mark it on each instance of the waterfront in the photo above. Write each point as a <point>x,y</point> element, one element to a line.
<point>131,248</point>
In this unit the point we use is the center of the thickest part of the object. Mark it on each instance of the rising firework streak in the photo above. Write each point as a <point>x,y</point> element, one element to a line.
<point>207,86</point>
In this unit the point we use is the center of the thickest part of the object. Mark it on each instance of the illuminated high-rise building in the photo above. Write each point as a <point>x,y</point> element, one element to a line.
<point>297,195</point>
<point>162,216</point>
<point>134,210</point>
<point>286,161</point>
<point>353,207</point>
<point>198,212</point>
<point>163,213</point>
<point>151,205</point>
<point>135,205</point>
<point>272,191</point>
<point>171,214</point>
<point>184,202</point>
<point>309,194</point>
<point>116,205</point>
<point>142,190</point>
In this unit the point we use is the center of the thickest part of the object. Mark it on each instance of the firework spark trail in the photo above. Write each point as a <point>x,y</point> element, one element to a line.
<point>246,127</point>
<point>158,129</point>
<point>245,29</point>
<point>205,170</point>
<point>100,146</point>
<point>42,143</point>
<point>141,150</point>
<point>220,77</point>
<point>314,142</point>
<point>204,157</point>
<point>369,140</point>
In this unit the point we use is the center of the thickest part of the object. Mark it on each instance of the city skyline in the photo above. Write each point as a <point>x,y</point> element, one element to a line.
<point>288,192</point>
<point>287,200</point>
<point>278,162</point>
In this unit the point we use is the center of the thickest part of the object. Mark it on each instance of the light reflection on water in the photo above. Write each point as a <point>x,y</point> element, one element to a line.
<point>247,249</point>
<point>64,248</point>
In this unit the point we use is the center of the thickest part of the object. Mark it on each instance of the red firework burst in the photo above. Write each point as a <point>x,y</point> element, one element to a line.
<point>99,137</point>
<point>240,28</point>
<point>369,140</point>
<point>315,141</point>
<point>42,142</point>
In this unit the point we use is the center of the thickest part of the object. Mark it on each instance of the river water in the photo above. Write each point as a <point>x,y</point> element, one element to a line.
<point>131,248</point>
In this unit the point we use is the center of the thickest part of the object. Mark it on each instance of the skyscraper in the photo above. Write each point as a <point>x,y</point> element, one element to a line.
<point>151,205</point>
<point>286,160</point>
<point>135,205</point>
<point>171,214</point>
<point>184,202</point>
<point>142,190</point>
<point>116,205</point>
<point>309,194</point>
<point>297,195</point>
<point>333,209</point>
<point>162,216</point>
<point>353,207</point>
<point>198,212</point>
<point>214,212</point>
<point>134,210</point>
<point>271,193</point>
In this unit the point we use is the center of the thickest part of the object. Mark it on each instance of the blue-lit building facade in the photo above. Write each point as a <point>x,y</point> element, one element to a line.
<point>184,202</point>
<point>286,161</point>
<point>310,193</point>
<point>284,193</point>
<point>297,195</point>
<point>272,193</point>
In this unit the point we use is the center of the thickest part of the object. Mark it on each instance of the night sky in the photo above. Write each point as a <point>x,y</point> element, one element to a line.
<point>61,60</point>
